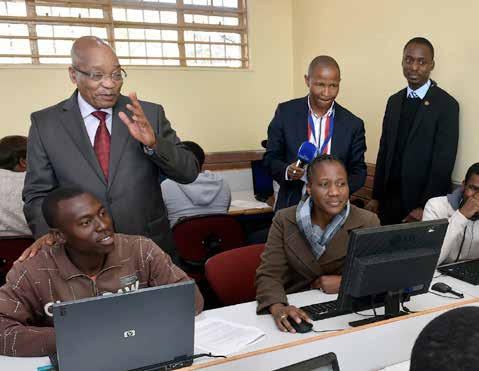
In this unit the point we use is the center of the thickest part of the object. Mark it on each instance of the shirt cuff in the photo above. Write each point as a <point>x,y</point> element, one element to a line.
<point>149,151</point>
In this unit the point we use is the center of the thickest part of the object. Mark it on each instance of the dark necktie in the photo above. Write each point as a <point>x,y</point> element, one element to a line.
<point>102,142</point>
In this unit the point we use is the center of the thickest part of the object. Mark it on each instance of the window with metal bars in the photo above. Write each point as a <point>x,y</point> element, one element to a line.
<point>143,32</point>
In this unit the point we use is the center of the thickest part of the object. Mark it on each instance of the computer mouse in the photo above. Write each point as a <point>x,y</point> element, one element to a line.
<point>301,327</point>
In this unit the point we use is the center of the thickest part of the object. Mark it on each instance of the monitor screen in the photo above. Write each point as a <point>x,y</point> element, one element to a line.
<point>325,362</point>
<point>386,265</point>
<point>262,181</point>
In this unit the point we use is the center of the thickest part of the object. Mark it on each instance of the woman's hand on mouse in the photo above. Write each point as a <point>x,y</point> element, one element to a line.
<point>282,314</point>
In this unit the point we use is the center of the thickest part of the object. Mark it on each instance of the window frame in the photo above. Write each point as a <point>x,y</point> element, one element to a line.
<point>107,22</point>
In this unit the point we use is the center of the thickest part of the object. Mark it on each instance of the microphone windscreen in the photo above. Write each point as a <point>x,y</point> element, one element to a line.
<point>306,152</point>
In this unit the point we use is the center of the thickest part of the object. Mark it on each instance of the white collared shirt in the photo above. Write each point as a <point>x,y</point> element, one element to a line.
<point>420,92</point>
<point>91,122</point>
<point>320,127</point>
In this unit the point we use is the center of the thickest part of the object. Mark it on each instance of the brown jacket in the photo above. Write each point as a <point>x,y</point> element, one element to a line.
<point>26,322</point>
<point>288,264</point>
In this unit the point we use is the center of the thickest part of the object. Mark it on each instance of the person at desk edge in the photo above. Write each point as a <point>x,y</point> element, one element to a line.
<point>461,207</point>
<point>307,243</point>
<point>319,119</point>
<point>418,143</point>
<point>88,260</point>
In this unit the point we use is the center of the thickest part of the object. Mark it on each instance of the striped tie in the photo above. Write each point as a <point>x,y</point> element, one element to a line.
<point>413,94</point>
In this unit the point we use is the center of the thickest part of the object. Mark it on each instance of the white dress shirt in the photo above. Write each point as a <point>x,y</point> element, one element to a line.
<point>320,127</point>
<point>91,122</point>
<point>420,92</point>
<point>319,123</point>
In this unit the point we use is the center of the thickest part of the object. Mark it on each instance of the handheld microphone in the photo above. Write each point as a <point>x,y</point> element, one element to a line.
<point>306,154</point>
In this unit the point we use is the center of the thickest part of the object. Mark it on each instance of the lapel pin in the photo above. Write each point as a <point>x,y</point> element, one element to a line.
<point>426,103</point>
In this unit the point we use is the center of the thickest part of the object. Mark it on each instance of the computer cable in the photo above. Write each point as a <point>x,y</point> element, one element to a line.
<point>406,309</point>
<point>462,244</point>
<point>373,299</point>
<point>199,355</point>
<point>339,329</point>
<point>444,296</point>
<point>363,314</point>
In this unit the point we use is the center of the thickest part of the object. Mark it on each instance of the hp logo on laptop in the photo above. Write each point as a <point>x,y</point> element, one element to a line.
<point>129,333</point>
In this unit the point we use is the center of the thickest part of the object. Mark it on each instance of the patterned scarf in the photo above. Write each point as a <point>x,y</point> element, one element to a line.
<point>317,238</point>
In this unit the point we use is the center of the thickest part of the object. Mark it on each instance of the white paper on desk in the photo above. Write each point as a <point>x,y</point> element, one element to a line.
<point>222,337</point>
<point>245,204</point>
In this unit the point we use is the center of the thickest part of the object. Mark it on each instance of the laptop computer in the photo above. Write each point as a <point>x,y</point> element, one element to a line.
<point>148,329</point>
<point>262,181</point>
<point>325,362</point>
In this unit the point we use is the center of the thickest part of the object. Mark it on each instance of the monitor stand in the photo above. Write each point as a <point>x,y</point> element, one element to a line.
<point>392,303</point>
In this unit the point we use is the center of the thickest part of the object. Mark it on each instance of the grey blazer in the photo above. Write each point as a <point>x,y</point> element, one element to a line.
<point>60,153</point>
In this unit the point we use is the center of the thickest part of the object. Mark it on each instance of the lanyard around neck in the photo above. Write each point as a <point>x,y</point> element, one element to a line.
<point>313,132</point>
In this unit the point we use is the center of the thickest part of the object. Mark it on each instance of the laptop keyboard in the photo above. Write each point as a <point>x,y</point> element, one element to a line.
<point>322,310</point>
<point>466,271</point>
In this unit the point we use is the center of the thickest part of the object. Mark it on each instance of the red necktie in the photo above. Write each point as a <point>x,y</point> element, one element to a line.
<point>102,142</point>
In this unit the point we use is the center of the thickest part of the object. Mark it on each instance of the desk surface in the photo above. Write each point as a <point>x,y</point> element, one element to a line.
<point>375,345</point>
<point>350,344</point>
<point>244,203</point>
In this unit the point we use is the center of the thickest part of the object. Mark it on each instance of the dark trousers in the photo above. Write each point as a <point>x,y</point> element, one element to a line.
<point>390,208</point>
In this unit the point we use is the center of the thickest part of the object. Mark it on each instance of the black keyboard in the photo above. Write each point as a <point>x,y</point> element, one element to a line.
<point>324,310</point>
<point>465,271</point>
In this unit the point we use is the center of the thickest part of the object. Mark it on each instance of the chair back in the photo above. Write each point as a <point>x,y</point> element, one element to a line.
<point>11,247</point>
<point>199,237</point>
<point>232,273</point>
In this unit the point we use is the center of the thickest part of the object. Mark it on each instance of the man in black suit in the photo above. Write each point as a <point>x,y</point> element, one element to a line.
<point>319,119</point>
<point>418,142</point>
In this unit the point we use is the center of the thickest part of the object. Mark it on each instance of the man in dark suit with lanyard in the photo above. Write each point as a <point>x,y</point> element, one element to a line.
<point>319,119</point>
<point>418,142</point>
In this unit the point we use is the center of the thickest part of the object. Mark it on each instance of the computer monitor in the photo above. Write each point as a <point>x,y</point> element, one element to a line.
<point>386,265</point>
<point>325,362</point>
<point>262,181</point>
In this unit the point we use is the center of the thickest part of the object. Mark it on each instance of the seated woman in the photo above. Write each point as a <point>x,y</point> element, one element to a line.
<point>307,243</point>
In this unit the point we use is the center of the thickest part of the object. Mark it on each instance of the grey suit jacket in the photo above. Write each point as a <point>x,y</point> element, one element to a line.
<point>60,154</point>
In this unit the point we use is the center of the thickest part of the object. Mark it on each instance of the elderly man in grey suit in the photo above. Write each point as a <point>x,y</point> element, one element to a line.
<point>110,145</point>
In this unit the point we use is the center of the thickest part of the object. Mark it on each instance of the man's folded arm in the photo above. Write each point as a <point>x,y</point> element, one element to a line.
<point>19,310</point>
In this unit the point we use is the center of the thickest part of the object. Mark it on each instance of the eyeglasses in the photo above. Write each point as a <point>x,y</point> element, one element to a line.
<point>97,76</point>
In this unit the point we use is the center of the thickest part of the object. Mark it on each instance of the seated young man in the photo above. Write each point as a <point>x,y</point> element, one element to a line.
<point>88,260</point>
<point>462,209</point>
<point>208,194</point>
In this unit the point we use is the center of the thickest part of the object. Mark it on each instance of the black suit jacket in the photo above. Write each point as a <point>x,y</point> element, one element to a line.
<point>289,129</point>
<point>430,151</point>
<point>60,154</point>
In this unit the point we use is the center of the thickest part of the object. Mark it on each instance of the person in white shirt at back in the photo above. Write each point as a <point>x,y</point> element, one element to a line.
<point>13,164</point>
<point>461,207</point>
<point>208,194</point>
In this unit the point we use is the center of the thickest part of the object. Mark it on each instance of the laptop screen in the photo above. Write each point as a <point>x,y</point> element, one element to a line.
<point>262,181</point>
<point>325,362</point>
